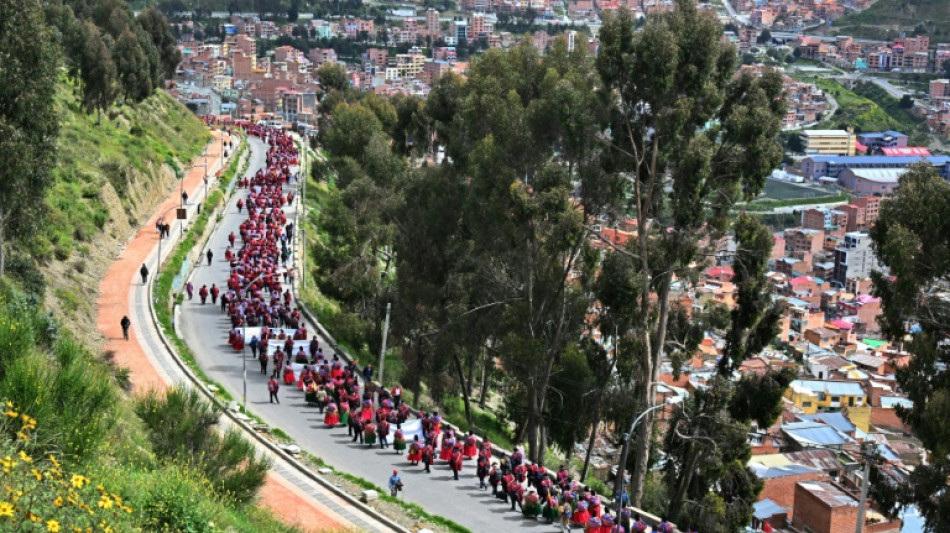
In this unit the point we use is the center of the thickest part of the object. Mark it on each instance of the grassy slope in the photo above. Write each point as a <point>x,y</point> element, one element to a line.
<point>885,18</point>
<point>131,142</point>
<point>106,174</point>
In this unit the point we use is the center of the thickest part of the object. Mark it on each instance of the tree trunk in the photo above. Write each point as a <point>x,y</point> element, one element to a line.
<point>486,374</point>
<point>466,388</point>
<point>590,447</point>
<point>683,482</point>
<point>645,432</point>
<point>3,257</point>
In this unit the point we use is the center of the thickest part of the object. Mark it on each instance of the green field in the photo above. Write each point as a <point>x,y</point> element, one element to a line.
<point>783,190</point>
<point>887,19</point>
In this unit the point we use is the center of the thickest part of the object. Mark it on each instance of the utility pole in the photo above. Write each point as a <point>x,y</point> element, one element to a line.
<point>866,452</point>
<point>382,348</point>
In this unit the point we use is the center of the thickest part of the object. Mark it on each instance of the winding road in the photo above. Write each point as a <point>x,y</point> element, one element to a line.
<point>204,328</point>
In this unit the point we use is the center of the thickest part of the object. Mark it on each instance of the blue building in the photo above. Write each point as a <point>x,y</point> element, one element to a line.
<point>887,139</point>
<point>818,166</point>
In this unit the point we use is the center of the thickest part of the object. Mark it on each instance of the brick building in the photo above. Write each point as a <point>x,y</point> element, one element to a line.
<point>823,507</point>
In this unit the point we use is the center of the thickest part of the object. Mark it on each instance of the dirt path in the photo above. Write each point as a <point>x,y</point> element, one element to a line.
<point>278,495</point>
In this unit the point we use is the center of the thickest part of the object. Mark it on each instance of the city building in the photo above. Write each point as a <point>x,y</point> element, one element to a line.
<point>828,142</point>
<point>854,258</point>
<point>870,180</point>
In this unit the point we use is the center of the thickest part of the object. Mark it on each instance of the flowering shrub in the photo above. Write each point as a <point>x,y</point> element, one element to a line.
<point>39,494</point>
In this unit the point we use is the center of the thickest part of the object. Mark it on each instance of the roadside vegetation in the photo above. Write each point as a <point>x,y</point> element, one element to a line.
<point>79,455</point>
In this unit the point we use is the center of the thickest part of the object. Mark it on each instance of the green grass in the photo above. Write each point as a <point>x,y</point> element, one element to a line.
<point>125,150</point>
<point>412,509</point>
<point>781,190</point>
<point>859,112</point>
<point>768,205</point>
<point>163,284</point>
<point>915,127</point>
<point>486,423</point>
<point>886,17</point>
<point>87,425</point>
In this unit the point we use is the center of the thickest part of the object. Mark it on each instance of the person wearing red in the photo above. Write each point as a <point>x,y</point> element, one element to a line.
<point>516,495</point>
<point>470,449</point>
<point>415,451</point>
<point>448,442</point>
<point>767,528</point>
<point>428,456</point>
<point>481,470</point>
<point>332,417</point>
<point>203,294</point>
<point>455,462</point>
<point>272,388</point>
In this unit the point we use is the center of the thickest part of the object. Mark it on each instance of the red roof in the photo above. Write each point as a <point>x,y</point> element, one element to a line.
<point>860,147</point>
<point>715,272</point>
<point>799,280</point>
<point>906,151</point>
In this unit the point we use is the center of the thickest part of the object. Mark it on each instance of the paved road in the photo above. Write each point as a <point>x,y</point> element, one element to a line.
<point>205,330</point>
<point>296,499</point>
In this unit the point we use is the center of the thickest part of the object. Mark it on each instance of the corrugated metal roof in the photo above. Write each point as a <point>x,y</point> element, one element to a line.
<point>813,433</point>
<point>835,420</point>
<point>767,509</point>
<point>829,493</point>
<point>894,401</point>
<point>771,472</point>
<point>817,458</point>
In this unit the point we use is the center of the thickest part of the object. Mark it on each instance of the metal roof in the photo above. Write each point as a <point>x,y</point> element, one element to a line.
<point>832,388</point>
<point>771,472</point>
<point>829,493</point>
<point>835,420</point>
<point>878,159</point>
<point>767,509</point>
<point>894,401</point>
<point>814,434</point>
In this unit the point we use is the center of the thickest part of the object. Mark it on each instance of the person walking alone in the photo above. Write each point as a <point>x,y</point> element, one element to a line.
<point>126,324</point>
<point>210,256</point>
<point>272,388</point>
<point>144,272</point>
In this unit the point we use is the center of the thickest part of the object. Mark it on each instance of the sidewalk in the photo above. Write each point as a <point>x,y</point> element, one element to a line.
<point>121,293</point>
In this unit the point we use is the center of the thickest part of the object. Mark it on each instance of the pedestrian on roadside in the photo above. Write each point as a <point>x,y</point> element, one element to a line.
<point>126,324</point>
<point>190,289</point>
<point>209,255</point>
<point>144,272</point>
<point>254,344</point>
<point>272,388</point>
<point>263,360</point>
<point>184,198</point>
<point>214,294</point>
<point>203,294</point>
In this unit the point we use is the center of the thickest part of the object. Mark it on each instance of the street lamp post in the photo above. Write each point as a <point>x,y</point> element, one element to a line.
<point>626,442</point>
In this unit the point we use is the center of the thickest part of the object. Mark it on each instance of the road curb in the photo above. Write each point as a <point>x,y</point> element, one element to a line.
<point>273,448</point>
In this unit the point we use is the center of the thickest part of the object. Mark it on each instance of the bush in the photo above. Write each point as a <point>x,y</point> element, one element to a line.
<point>26,272</point>
<point>173,503</point>
<point>75,399</point>
<point>181,425</point>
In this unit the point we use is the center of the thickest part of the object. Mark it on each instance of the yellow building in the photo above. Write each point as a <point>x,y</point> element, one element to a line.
<point>812,396</point>
<point>828,142</point>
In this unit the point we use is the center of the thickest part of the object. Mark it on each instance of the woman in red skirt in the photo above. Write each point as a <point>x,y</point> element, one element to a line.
<point>332,417</point>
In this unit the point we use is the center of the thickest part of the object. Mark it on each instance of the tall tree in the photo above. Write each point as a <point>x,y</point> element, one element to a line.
<point>98,72</point>
<point>159,31</point>
<point>28,117</point>
<point>912,237</point>
<point>132,67</point>
<point>692,139</point>
<point>333,77</point>
<point>754,320</point>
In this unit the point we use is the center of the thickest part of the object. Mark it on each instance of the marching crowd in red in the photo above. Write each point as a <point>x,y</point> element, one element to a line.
<point>255,297</point>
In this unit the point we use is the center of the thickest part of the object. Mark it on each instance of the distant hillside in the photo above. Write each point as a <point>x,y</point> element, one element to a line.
<point>108,178</point>
<point>885,19</point>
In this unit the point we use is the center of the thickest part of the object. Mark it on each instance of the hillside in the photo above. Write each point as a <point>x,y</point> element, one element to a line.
<point>885,19</point>
<point>107,179</point>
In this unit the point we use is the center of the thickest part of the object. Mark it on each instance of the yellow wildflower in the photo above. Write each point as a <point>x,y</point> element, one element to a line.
<point>105,502</point>
<point>52,526</point>
<point>26,458</point>
<point>39,477</point>
<point>79,481</point>
<point>58,502</point>
<point>34,518</point>
<point>6,509</point>
<point>12,414</point>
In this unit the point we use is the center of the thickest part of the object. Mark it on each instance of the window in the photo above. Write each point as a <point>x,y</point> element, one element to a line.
<point>806,405</point>
<point>836,398</point>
